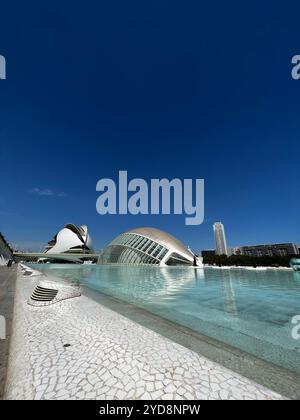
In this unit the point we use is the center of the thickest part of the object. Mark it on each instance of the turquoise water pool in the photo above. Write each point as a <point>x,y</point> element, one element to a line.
<point>248,309</point>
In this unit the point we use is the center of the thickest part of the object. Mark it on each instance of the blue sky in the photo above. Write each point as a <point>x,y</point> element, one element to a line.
<point>160,89</point>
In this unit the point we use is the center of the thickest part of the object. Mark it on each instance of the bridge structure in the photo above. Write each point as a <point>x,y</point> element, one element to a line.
<point>75,258</point>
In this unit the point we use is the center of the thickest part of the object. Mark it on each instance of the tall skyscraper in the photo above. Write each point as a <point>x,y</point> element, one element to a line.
<point>221,246</point>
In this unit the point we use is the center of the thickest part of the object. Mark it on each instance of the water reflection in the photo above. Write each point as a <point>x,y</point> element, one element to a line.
<point>228,293</point>
<point>199,287</point>
<point>249,309</point>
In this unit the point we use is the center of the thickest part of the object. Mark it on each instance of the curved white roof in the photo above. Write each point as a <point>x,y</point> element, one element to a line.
<point>70,237</point>
<point>164,239</point>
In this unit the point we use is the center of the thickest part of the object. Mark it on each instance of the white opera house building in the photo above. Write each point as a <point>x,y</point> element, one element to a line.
<point>71,240</point>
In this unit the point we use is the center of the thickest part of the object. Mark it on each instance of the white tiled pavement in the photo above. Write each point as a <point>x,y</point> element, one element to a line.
<point>109,357</point>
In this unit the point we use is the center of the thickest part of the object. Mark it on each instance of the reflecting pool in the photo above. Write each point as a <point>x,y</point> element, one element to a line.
<point>248,309</point>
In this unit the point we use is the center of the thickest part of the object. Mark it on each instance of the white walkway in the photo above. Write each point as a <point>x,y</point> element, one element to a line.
<point>109,357</point>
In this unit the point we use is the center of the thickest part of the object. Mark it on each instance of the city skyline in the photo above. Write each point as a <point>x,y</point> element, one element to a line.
<point>230,250</point>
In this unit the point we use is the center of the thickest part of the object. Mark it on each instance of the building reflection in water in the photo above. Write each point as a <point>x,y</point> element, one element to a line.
<point>191,289</point>
<point>228,294</point>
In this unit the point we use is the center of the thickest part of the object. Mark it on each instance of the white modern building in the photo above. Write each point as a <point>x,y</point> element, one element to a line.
<point>148,246</point>
<point>5,251</point>
<point>69,241</point>
<point>220,238</point>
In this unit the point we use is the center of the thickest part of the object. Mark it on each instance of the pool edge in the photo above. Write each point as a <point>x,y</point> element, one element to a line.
<point>276,378</point>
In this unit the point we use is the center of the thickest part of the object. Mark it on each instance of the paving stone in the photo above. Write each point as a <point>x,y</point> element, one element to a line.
<point>112,357</point>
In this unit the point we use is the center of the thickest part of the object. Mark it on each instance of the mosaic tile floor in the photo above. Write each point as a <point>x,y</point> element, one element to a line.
<point>79,349</point>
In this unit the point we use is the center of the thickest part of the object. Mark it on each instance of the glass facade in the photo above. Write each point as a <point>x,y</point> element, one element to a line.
<point>130,248</point>
<point>177,259</point>
<point>148,246</point>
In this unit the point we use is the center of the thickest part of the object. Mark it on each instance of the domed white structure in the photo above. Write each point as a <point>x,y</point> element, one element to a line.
<point>148,246</point>
<point>70,240</point>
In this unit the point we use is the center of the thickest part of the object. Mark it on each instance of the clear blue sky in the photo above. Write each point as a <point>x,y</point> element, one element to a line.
<point>161,89</point>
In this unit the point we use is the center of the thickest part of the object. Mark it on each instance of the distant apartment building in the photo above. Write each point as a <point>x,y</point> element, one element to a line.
<point>208,252</point>
<point>267,250</point>
<point>221,246</point>
<point>236,250</point>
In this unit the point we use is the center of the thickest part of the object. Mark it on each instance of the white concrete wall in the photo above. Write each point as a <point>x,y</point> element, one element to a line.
<point>5,254</point>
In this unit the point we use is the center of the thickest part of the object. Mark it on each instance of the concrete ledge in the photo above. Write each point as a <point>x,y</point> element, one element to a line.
<point>280,380</point>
